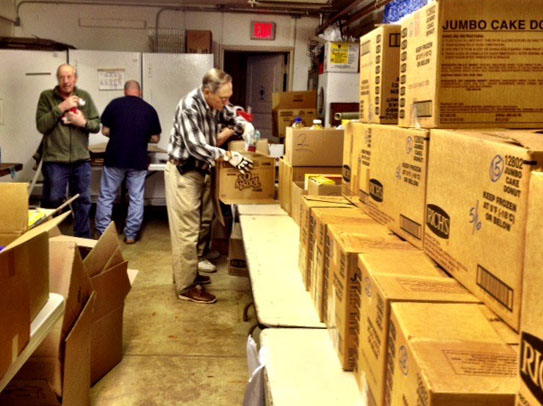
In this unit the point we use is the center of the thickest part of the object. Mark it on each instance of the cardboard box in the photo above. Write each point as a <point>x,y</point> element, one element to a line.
<point>344,300</point>
<point>531,328</point>
<point>286,106</point>
<point>15,304</point>
<point>395,193</point>
<point>361,158</point>
<point>289,174</point>
<point>294,100</point>
<point>296,192</point>
<point>61,364</point>
<point>460,360</point>
<point>220,235</point>
<point>476,209</point>
<point>28,250</point>
<point>317,249</point>
<point>461,71</point>
<point>309,202</point>
<point>255,186</point>
<point>305,147</point>
<point>237,263</point>
<point>346,171</point>
<point>283,118</point>
<point>198,42</point>
<point>341,56</point>
<point>108,272</point>
<point>379,75</point>
<point>329,186</point>
<point>262,146</point>
<point>379,291</point>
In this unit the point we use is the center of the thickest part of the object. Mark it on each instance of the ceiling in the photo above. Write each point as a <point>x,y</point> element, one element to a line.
<point>355,17</point>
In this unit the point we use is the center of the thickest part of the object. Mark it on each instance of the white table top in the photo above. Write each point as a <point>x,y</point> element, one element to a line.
<point>39,328</point>
<point>271,247</point>
<point>303,369</point>
<point>261,209</point>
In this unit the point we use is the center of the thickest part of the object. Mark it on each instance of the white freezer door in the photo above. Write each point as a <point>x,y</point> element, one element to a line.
<point>338,87</point>
<point>102,74</point>
<point>24,75</point>
<point>169,77</point>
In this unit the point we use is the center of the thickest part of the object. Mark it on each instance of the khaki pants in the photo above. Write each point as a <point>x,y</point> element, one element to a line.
<point>190,211</point>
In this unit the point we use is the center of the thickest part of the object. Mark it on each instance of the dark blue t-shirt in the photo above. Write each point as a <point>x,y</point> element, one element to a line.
<point>132,122</point>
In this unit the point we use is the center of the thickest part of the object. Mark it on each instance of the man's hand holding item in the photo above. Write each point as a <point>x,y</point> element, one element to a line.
<point>238,161</point>
<point>248,133</point>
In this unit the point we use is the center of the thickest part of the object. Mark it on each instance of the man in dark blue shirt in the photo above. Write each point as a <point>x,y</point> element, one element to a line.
<point>130,123</point>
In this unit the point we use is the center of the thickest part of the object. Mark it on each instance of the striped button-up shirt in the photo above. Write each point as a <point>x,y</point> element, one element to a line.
<point>195,129</point>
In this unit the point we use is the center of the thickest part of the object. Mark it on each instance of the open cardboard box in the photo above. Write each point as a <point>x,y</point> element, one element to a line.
<point>60,366</point>
<point>108,273</point>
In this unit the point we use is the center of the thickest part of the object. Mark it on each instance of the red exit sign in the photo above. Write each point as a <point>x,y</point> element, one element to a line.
<point>262,30</point>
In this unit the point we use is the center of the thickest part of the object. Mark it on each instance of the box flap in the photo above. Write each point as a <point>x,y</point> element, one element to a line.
<point>45,227</point>
<point>69,278</point>
<point>132,274</point>
<point>102,252</point>
<point>13,211</point>
<point>111,287</point>
<point>76,374</point>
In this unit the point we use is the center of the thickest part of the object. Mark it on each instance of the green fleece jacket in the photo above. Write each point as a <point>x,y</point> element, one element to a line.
<point>65,143</point>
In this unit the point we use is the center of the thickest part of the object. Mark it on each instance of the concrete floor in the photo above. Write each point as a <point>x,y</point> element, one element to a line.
<point>176,352</point>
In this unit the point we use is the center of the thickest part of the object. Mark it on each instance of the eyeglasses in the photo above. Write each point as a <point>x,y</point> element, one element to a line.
<point>224,99</point>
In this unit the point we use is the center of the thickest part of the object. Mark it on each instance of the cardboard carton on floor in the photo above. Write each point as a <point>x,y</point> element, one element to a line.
<point>396,188</point>
<point>379,291</point>
<point>476,207</point>
<point>62,362</point>
<point>344,305</point>
<point>309,202</point>
<point>459,360</point>
<point>531,327</point>
<point>237,262</point>
<point>379,75</point>
<point>108,272</point>
<point>346,169</point>
<point>289,174</point>
<point>255,186</point>
<point>471,64</point>
<point>324,185</point>
<point>198,41</point>
<point>341,56</point>
<point>306,147</point>
<point>322,218</point>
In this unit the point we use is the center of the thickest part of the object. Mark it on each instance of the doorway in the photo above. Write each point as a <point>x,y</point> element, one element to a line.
<point>256,75</point>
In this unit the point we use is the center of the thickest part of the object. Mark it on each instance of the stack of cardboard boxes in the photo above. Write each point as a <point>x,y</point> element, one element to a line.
<point>432,162</point>
<point>93,278</point>
<point>307,151</point>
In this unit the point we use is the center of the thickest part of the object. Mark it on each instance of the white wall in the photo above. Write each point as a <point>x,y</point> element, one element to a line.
<point>63,23</point>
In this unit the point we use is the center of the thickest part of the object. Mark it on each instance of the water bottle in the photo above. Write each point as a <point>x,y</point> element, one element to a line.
<point>317,125</point>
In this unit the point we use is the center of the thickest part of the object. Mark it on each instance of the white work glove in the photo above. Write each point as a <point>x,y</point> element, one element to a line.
<point>248,133</point>
<point>239,162</point>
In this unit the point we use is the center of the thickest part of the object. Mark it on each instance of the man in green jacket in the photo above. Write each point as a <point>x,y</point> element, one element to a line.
<point>65,116</point>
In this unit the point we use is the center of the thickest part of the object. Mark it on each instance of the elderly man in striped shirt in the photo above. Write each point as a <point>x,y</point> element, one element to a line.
<point>193,150</point>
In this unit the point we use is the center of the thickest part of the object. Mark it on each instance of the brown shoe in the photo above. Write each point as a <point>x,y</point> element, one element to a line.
<point>202,280</point>
<point>197,294</point>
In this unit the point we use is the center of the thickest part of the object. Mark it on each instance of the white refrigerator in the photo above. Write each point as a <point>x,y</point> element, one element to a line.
<point>336,87</point>
<point>23,76</point>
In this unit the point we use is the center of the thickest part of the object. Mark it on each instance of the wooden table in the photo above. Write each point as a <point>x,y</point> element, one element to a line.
<point>302,368</point>
<point>40,327</point>
<point>260,210</point>
<point>271,248</point>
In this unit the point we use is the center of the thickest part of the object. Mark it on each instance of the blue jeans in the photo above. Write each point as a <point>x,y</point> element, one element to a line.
<point>135,186</point>
<point>76,176</point>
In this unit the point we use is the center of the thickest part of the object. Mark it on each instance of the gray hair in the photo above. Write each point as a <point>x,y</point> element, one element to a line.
<point>67,65</point>
<point>214,79</point>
